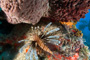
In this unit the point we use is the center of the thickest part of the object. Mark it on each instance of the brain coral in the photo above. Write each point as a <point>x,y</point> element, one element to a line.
<point>31,11</point>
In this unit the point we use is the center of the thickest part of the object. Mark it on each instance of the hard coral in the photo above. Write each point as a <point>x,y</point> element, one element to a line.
<point>31,11</point>
<point>66,10</point>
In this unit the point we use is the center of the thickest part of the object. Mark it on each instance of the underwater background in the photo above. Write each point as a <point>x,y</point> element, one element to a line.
<point>84,25</point>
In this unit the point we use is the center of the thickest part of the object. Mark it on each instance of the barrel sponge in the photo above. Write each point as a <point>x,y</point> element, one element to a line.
<point>24,11</point>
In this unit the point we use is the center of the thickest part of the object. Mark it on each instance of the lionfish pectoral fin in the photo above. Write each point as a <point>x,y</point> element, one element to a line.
<point>54,37</point>
<point>21,49</point>
<point>22,41</point>
<point>27,54</point>
<point>47,26</point>
<point>31,55</point>
<point>53,41</point>
<point>35,54</point>
<point>51,31</point>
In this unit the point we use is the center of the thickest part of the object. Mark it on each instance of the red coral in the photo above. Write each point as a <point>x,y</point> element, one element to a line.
<point>58,56</point>
<point>66,10</point>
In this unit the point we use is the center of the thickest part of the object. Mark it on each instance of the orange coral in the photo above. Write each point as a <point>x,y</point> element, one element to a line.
<point>67,23</point>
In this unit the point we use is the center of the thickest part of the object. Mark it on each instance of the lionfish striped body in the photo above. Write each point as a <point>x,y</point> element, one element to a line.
<point>40,39</point>
<point>42,45</point>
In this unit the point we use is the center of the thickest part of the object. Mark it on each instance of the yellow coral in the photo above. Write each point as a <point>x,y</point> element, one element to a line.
<point>78,33</point>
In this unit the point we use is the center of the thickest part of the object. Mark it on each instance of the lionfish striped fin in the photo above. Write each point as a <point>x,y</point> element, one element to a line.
<point>36,56</point>
<point>47,26</point>
<point>51,31</point>
<point>21,49</point>
<point>54,37</point>
<point>31,55</point>
<point>22,41</point>
<point>53,41</point>
<point>27,54</point>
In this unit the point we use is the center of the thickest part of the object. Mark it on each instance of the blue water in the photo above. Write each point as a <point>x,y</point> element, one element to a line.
<point>84,26</point>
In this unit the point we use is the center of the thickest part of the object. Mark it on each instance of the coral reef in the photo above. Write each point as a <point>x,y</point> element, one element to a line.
<point>70,47</point>
<point>66,10</point>
<point>84,25</point>
<point>31,11</point>
<point>56,40</point>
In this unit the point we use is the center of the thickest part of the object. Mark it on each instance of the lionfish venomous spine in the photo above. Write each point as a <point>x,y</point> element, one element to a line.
<point>40,37</point>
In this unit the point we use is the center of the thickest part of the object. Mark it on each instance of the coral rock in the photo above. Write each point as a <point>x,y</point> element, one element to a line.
<point>66,10</point>
<point>27,11</point>
<point>31,11</point>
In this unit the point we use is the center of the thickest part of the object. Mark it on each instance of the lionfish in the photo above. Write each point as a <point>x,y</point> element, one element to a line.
<point>39,38</point>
